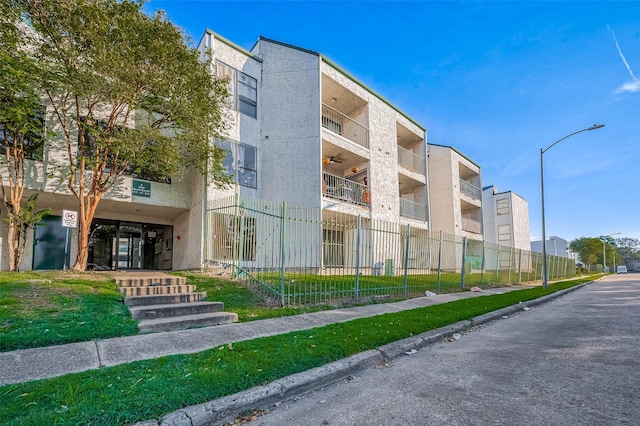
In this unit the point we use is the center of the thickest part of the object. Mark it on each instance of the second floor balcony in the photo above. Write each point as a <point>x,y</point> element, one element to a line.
<point>413,210</point>
<point>344,126</point>
<point>345,190</point>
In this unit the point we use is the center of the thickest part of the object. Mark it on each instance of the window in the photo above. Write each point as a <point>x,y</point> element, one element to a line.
<point>502,206</point>
<point>247,95</point>
<point>32,141</point>
<point>504,233</point>
<point>243,89</point>
<point>241,162</point>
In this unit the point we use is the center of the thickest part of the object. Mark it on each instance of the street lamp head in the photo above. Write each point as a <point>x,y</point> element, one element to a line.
<point>596,126</point>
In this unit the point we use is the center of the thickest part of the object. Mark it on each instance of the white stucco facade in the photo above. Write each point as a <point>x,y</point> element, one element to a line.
<point>505,218</point>
<point>454,190</point>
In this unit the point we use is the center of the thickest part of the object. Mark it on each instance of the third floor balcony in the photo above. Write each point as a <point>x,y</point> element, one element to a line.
<point>343,125</point>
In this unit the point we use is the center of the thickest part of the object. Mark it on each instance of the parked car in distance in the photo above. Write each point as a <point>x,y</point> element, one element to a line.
<point>622,269</point>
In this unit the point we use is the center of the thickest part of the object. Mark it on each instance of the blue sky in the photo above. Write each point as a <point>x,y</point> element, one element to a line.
<point>496,80</point>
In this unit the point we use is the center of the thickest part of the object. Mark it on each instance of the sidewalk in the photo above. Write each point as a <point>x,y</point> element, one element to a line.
<point>41,363</point>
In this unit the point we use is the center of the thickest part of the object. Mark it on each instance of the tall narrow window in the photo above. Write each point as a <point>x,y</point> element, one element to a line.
<point>32,141</point>
<point>224,71</point>
<point>243,89</point>
<point>247,95</point>
<point>241,163</point>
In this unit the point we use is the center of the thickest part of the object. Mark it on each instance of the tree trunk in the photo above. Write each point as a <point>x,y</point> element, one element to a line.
<point>82,257</point>
<point>11,242</point>
<point>88,205</point>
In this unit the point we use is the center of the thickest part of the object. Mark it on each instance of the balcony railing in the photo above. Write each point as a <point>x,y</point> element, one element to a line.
<point>410,160</point>
<point>412,209</point>
<point>345,190</point>
<point>470,190</point>
<point>471,225</point>
<point>344,126</point>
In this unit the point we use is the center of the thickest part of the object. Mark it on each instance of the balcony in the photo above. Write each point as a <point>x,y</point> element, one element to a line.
<point>341,124</point>
<point>410,160</point>
<point>470,190</point>
<point>413,210</point>
<point>471,225</point>
<point>345,190</point>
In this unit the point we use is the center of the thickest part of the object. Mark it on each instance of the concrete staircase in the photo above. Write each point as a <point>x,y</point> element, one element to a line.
<point>163,302</point>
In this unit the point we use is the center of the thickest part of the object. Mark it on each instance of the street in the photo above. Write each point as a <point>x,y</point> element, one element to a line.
<point>572,361</point>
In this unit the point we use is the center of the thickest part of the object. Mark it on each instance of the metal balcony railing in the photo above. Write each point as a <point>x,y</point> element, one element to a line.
<point>412,209</point>
<point>471,225</point>
<point>410,160</point>
<point>470,190</point>
<point>341,124</point>
<point>345,190</point>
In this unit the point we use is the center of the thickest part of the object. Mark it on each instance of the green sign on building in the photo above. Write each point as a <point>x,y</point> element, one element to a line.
<point>141,189</point>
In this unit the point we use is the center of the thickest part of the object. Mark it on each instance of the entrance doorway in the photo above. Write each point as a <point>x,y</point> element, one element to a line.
<point>129,245</point>
<point>50,244</point>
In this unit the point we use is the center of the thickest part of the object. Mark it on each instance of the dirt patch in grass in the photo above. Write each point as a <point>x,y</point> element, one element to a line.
<point>37,297</point>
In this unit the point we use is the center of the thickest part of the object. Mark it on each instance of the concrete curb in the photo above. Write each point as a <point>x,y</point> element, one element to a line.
<point>227,408</point>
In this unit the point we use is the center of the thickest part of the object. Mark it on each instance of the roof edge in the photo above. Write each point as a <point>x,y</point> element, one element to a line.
<point>370,90</point>
<point>232,45</point>
<point>458,152</point>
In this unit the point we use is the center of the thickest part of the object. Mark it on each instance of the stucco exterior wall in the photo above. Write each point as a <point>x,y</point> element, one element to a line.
<point>290,122</point>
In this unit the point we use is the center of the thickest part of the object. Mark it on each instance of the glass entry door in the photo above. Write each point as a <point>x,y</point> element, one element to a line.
<point>128,246</point>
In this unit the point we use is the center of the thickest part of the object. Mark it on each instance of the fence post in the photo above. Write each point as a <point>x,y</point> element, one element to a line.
<point>439,263</point>
<point>464,261</point>
<point>283,251</point>
<point>520,268</point>
<point>357,290</point>
<point>498,266</point>
<point>406,259</point>
<point>483,263</point>
<point>510,265</point>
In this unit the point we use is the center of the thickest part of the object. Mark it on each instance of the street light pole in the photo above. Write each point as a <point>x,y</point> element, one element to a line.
<point>544,237</point>
<point>604,253</point>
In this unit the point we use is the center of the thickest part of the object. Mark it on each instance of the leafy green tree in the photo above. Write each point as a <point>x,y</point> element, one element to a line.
<point>129,94</point>
<point>589,249</point>
<point>628,249</point>
<point>21,132</point>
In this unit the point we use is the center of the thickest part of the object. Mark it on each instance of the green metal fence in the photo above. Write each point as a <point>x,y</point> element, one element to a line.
<point>303,256</point>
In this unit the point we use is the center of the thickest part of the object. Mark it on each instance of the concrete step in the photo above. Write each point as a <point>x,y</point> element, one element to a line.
<point>157,290</point>
<point>164,299</point>
<point>187,321</point>
<point>175,310</point>
<point>146,281</point>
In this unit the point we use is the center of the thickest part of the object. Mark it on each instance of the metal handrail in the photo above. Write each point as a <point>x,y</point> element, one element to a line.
<point>412,209</point>
<point>410,160</point>
<point>470,190</point>
<point>345,126</point>
<point>345,190</point>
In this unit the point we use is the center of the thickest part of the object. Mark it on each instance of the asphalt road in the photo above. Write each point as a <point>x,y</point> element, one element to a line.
<point>572,361</point>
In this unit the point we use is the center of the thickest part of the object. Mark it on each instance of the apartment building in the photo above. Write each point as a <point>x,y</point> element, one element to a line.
<point>300,130</point>
<point>555,246</point>
<point>320,139</point>
<point>454,191</point>
<point>505,218</point>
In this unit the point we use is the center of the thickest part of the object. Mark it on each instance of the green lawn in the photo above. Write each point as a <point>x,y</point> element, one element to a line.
<point>148,389</point>
<point>51,308</point>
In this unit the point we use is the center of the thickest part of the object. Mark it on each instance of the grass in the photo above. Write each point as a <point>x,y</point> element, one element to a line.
<point>310,289</point>
<point>149,389</point>
<point>43,309</point>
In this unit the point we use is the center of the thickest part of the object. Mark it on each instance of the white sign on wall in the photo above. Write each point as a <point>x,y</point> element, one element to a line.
<point>69,219</point>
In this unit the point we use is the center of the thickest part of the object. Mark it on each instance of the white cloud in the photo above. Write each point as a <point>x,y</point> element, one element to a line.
<point>631,87</point>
